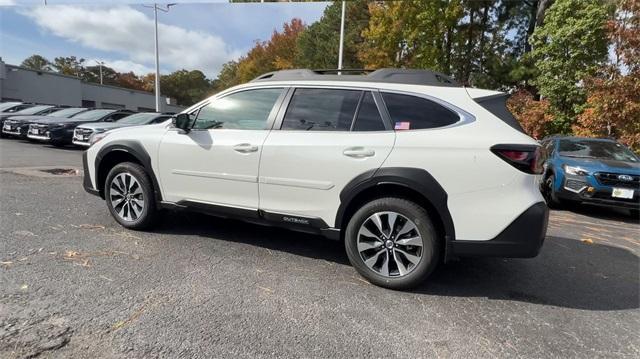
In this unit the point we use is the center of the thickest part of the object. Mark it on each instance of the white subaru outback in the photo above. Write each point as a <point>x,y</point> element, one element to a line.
<point>406,167</point>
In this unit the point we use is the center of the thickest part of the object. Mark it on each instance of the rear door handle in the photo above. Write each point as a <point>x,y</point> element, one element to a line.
<point>245,148</point>
<point>358,152</point>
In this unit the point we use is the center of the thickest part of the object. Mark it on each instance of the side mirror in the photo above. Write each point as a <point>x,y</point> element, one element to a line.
<point>182,121</point>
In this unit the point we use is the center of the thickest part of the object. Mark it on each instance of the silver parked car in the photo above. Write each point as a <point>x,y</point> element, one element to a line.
<point>82,134</point>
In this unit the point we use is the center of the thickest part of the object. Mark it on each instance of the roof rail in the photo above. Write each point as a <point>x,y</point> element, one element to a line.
<point>401,76</point>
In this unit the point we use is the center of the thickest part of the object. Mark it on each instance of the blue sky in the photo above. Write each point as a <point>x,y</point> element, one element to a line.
<point>193,35</point>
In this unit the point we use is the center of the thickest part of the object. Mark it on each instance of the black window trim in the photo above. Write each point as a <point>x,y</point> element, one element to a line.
<point>464,116</point>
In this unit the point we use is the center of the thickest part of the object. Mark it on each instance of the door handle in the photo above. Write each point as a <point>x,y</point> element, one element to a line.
<point>245,148</point>
<point>358,152</point>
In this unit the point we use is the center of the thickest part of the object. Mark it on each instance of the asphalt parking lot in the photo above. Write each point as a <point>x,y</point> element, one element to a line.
<point>73,283</point>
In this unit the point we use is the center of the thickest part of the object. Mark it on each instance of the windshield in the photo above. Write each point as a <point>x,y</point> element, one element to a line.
<point>92,115</point>
<point>6,105</point>
<point>138,118</point>
<point>33,110</point>
<point>596,149</point>
<point>67,112</point>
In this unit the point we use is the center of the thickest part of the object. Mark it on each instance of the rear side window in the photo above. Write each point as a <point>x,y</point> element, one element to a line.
<point>415,113</point>
<point>321,110</point>
<point>368,118</point>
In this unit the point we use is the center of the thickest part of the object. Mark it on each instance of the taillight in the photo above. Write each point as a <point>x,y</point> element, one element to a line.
<point>526,158</point>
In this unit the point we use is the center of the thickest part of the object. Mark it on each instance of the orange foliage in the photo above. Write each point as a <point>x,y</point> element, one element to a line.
<point>612,110</point>
<point>533,115</point>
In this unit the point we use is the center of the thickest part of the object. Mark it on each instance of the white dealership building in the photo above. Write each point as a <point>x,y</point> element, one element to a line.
<point>22,84</point>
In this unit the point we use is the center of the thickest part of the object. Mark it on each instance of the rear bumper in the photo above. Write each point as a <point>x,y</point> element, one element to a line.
<point>523,238</point>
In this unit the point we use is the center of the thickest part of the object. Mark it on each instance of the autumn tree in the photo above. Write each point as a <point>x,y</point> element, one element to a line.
<point>533,115</point>
<point>569,46</point>
<point>613,104</point>
<point>36,62</point>
<point>131,81</point>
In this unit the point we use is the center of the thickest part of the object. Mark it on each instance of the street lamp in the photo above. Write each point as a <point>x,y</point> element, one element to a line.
<point>100,63</point>
<point>156,7</point>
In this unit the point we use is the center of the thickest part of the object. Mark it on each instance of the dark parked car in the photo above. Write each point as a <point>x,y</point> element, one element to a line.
<point>59,132</point>
<point>589,170</point>
<point>83,133</point>
<point>39,110</point>
<point>17,126</point>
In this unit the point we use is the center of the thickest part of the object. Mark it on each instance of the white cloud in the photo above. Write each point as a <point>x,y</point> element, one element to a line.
<point>123,66</point>
<point>127,31</point>
<point>7,2</point>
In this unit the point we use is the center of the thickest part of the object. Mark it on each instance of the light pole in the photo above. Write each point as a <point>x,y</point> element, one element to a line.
<point>341,37</point>
<point>100,63</point>
<point>155,19</point>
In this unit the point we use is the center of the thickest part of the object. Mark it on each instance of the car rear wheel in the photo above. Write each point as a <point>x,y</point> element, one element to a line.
<point>129,195</point>
<point>392,243</point>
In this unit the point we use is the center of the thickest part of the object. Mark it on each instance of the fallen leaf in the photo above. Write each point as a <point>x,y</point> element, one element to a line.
<point>23,259</point>
<point>71,254</point>
<point>268,290</point>
<point>586,240</point>
<point>24,287</point>
<point>6,263</point>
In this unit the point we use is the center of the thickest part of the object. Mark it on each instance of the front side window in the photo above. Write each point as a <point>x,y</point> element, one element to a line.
<point>246,110</point>
<point>415,113</point>
<point>321,110</point>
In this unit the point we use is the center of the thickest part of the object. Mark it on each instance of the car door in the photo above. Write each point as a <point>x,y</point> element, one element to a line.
<point>325,137</point>
<point>217,161</point>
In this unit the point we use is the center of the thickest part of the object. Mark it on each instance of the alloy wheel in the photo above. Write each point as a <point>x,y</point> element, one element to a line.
<point>390,244</point>
<point>127,197</point>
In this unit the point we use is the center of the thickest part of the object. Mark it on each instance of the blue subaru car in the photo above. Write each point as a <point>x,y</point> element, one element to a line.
<point>590,170</point>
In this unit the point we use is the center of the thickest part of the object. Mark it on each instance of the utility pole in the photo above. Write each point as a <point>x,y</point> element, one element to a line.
<point>155,19</point>
<point>100,63</point>
<point>341,37</point>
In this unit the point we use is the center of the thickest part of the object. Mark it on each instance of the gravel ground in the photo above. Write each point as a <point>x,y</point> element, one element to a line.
<point>73,283</point>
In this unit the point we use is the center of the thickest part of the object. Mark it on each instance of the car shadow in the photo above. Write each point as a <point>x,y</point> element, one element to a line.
<point>567,273</point>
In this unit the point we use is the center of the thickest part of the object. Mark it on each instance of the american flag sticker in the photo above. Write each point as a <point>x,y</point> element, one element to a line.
<point>402,125</point>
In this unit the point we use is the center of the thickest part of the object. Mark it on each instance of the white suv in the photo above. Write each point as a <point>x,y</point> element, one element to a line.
<point>406,167</point>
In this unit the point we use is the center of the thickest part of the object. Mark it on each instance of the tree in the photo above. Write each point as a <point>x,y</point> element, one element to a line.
<point>187,87</point>
<point>533,115</point>
<point>69,65</point>
<point>569,46</point>
<point>36,62</point>
<point>131,81</point>
<point>92,74</point>
<point>613,104</point>
<point>318,46</point>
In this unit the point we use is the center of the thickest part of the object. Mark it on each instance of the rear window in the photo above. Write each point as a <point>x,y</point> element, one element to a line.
<point>497,105</point>
<point>415,113</point>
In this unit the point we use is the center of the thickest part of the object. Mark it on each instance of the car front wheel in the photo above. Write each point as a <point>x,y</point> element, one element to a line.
<point>392,243</point>
<point>129,195</point>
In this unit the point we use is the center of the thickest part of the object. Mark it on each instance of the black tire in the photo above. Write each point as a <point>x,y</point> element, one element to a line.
<point>430,254</point>
<point>635,213</point>
<point>149,211</point>
<point>58,144</point>
<point>549,194</point>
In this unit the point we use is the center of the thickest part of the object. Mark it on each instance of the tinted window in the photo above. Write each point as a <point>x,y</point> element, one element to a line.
<point>321,110</point>
<point>414,113</point>
<point>67,112</point>
<point>246,110</point>
<point>368,118</point>
<point>92,115</point>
